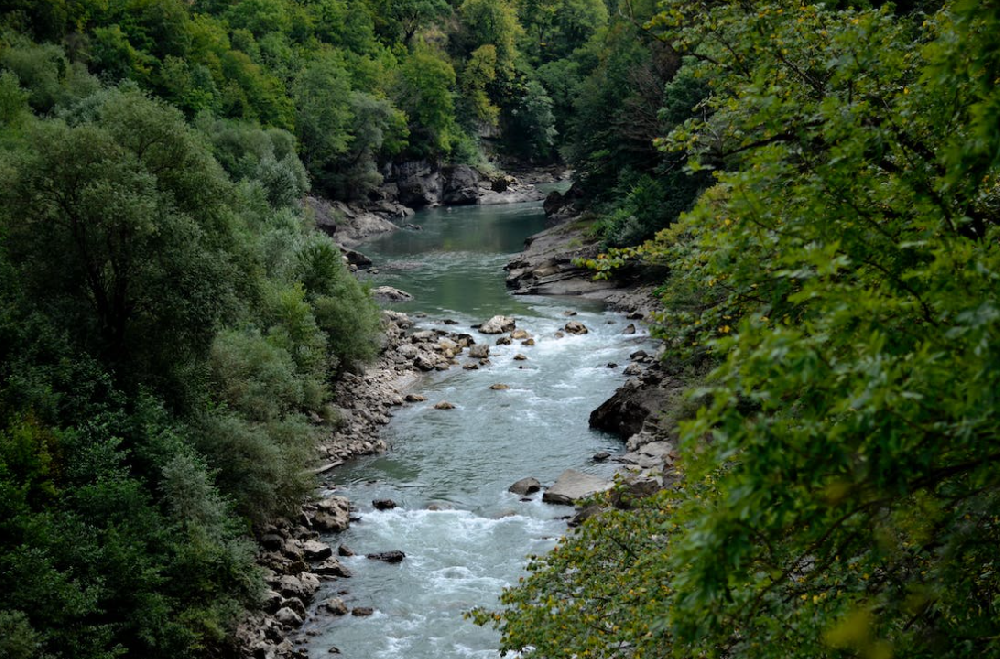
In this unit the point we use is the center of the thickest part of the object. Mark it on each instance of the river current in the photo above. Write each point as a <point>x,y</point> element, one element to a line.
<point>464,535</point>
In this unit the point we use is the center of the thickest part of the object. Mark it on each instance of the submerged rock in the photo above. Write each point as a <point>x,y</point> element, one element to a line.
<point>393,556</point>
<point>499,387</point>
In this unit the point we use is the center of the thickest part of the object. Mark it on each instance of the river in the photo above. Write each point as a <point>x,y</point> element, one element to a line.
<point>464,535</point>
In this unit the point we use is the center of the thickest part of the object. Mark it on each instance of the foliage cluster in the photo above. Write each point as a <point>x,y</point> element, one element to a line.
<point>840,486</point>
<point>169,325</point>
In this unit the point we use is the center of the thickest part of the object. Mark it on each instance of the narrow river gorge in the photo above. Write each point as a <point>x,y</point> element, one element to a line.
<point>464,535</point>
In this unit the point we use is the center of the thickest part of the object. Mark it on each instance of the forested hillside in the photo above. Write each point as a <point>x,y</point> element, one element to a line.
<point>170,322</point>
<point>837,490</point>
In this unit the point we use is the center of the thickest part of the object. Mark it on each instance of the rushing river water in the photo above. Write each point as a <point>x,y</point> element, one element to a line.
<point>464,535</point>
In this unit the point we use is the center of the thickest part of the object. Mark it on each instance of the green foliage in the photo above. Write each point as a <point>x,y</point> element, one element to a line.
<point>424,90</point>
<point>840,484</point>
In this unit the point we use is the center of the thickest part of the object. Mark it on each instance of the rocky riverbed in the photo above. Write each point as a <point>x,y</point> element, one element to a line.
<point>296,563</point>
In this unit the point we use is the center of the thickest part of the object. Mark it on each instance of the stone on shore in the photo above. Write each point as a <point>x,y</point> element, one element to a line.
<point>572,485</point>
<point>390,294</point>
<point>314,550</point>
<point>332,514</point>
<point>497,325</point>
<point>525,486</point>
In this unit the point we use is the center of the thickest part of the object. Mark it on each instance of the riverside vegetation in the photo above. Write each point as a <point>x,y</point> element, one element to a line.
<point>839,486</point>
<point>820,182</point>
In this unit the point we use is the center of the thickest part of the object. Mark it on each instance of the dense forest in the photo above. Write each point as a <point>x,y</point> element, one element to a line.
<point>819,181</point>
<point>838,487</point>
<point>170,322</point>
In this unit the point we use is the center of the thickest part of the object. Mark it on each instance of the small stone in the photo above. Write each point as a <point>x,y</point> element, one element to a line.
<point>520,358</point>
<point>517,335</point>
<point>528,342</point>
<point>632,370</point>
<point>630,329</point>
<point>635,315</point>
<point>344,550</point>
<point>499,387</point>
<point>569,313</point>
<point>612,365</point>
<point>559,335</point>
<point>480,351</point>
<point>333,651</point>
<point>601,456</point>
<point>471,367</point>
<point>444,405</point>
<point>574,327</point>
<point>383,504</point>
<point>362,611</point>
<point>504,341</point>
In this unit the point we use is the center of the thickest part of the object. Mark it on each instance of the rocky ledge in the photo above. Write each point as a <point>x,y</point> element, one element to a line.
<point>547,264</point>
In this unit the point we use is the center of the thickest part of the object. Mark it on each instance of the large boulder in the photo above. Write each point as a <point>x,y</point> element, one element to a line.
<point>332,514</point>
<point>460,185</point>
<point>572,485</point>
<point>497,325</point>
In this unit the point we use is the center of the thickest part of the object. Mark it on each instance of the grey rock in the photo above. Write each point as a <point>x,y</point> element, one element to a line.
<point>335,606</point>
<point>288,618</point>
<point>480,351</point>
<point>525,486</point>
<point>390,294</point>
<point>572,485</point>
<point>497,325</point>
<point>314,550</point>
